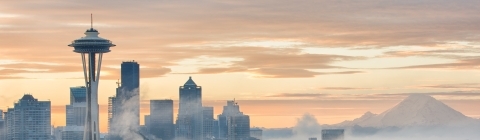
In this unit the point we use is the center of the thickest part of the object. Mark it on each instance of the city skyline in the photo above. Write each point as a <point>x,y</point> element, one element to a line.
<point>325,61</point>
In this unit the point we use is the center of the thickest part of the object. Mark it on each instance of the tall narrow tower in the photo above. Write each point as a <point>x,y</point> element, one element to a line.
<point>89,48</point>
<point>190,112</point>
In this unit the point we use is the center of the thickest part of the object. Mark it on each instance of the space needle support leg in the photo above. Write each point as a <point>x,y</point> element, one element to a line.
<point>100,55</point>
<point>84,68</point>
<point>85,135</point>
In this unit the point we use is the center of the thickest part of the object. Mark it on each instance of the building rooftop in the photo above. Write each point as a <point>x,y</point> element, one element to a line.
<point>27,97</point>
<point>190,82</point>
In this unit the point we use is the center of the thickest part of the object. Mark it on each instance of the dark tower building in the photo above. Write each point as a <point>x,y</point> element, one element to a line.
<point>130,72</point>
<point>130,91</point>
<point>189,125</point>
<point>126,103</point>
<point>160,121</point>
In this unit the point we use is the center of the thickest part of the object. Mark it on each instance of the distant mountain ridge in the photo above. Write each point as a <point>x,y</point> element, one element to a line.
<point>415,110</point>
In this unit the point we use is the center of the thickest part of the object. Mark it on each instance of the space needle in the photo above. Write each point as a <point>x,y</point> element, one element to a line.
<point>91,49</point>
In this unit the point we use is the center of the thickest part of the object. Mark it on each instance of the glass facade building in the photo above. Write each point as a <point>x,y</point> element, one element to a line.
<point>160,121</point>
<point>189,124</point>
<point>29,119</point>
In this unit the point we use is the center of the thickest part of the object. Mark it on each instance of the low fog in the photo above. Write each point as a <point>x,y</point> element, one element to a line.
<point>124,125</point>
<point>307,126</point>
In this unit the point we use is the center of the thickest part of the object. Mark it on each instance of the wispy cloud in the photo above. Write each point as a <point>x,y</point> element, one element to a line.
<point>154,38</point>
<point>342,88</point>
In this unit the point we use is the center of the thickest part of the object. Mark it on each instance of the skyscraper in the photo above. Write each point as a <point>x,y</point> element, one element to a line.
<point>238,127</point>
<point>111,112</point>
<point>124,107</point>
<point>130,72</point>
<point>160,122</point>
<point>231,109</point>
<point>8,126</point>
<point>89,46</point>
<point>29,119</point>
<point>208,123</point>
<point>76,110</point>
<point>128,93</point>
<point>233,124</point>
<point>189,125</point>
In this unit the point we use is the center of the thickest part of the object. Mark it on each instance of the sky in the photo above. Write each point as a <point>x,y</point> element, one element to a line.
<point>278,59</point>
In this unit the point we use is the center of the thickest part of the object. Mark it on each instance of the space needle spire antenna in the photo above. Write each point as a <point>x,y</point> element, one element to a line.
<point>91,48</point>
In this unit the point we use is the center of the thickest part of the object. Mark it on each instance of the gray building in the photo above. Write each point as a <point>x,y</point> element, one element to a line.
<point>29,119</point>
<point>147,123</point>
<point>215,129</point>
<point>233,124</point>
<point>72,133</point>
<point>111,112</point>
<point>208,123</point>
<point>238,127</point>
<point>160,121</point>
<point>256,133</point>
<point>77,109</point>
<point>333,134</point>
<point>189,124</point>
<point>312,138</point>
<point>8,123</point>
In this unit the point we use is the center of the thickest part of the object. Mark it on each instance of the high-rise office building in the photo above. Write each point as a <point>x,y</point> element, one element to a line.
<point>75,114</point>
<point>111,112</point>
<point>130,76</point>
<point>128,93</point>
<point>233,124</point>
<point>231,109</point>
<point>125,105</point>
<point>215,129</point>
<point>333,134</point>
<point>189,124</point>
<point>208,123</point>
<point>160,121</point>
<point>238,127</point>
<point>77,109</point>
<point>29,119</point>
<point>8,123</point>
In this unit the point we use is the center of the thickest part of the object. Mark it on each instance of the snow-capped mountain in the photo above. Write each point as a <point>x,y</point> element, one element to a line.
<point>415,110</point>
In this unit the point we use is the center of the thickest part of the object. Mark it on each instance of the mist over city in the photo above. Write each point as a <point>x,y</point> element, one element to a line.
<point>240,70</point>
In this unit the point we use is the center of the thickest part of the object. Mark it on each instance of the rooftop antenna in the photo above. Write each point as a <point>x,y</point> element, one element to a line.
<point>91,20</point>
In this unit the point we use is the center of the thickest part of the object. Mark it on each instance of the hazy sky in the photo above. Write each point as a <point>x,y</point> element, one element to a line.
<point>336,59</point>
